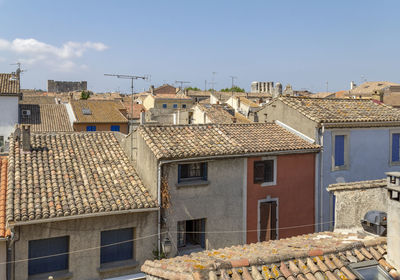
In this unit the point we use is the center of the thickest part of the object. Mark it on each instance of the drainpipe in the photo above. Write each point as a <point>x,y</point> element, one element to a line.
<point>159,207</point>
<point>321,183</point>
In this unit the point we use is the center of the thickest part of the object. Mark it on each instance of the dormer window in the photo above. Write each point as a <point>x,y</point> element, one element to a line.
<point>86,111</point>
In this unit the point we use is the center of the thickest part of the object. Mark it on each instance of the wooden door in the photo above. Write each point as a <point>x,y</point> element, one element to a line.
<point>268,221</point>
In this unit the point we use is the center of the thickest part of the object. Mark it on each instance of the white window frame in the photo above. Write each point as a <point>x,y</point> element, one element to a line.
<point>346,165</point>
<point>392,131</point>
<point>273,183</point>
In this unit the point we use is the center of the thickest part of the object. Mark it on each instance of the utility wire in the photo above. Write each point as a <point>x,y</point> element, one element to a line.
<point>152,235</point>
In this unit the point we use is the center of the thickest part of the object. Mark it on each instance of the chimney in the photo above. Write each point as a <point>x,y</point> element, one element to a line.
<point>152,90</point>
<point>393,219</point>
<point>234,120</point>
<point>352,85</point>
<point>142,117</point>
<point>26,138</point>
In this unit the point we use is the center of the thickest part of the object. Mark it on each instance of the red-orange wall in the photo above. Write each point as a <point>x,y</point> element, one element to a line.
<point>295,189</point>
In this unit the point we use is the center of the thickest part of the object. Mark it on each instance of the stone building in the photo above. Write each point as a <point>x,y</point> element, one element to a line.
<point>65,86</point>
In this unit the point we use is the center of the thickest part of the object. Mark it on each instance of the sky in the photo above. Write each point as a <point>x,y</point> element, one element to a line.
<point>310,44</point>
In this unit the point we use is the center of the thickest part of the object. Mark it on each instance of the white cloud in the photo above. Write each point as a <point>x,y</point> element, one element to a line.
<point>34,51</point>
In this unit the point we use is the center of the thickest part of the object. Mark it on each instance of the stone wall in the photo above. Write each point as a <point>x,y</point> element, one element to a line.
<point>65,86</point>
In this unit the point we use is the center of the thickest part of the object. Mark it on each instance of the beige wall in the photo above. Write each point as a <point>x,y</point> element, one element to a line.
<point>85,233</point>
<point>289,116</point>
<point>3,259</point>
<point>101,126</point>
<point>150,102</point>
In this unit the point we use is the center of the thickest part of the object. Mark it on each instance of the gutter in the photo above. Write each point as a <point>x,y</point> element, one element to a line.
<point>321,169</point>
<point>302,151</point>
<point>359,124</point>
<point>82,216</point>
<point>159,207</point>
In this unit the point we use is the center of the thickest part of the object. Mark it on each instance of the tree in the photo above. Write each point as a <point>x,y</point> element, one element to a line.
<point>193,88</point>
<point>234,89</point>
<point>85,94</point>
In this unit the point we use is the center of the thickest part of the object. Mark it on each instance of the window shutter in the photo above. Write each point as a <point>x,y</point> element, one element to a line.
<point>339,150</point>
<point>123,248</point>
<point>203,234</point>
<point>395,147</point>
<point>205,171</point>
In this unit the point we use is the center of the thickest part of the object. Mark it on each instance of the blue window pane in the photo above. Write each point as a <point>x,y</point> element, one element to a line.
<point>123,250</point>
<point>48,247</point>
<point>164,106</point>
<point>339,150</point>
<point>395,147</point>
<point>115,128</point>
<point>91,128</point>
<point>175,106</point>
<point>183,105</point>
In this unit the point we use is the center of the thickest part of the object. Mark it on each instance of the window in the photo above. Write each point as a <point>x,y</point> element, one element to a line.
<point>123,250</point>
<point>91,128</point>
<point>191,233</point>
<point>192,171</point>
<point>26,112</point>
<point>265,172</point>
<point>183,106</point>
<point>48,247</point>
<point>340,151</point>
<point>115,128</point>
<point>395,148</point>
<point>175,106</point>
<point>371,269</point>
<point>164,106</point>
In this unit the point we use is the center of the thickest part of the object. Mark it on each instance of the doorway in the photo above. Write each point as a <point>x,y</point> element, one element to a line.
<point>268,221</point>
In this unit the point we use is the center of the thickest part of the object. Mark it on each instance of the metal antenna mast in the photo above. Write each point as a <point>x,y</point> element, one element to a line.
<point>233,79</point>
<point>182,82</point>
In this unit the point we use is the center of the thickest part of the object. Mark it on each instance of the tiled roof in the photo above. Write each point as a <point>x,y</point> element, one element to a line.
<point>46,117</point>
<point>101,111</point>
<point>380,183</point>
<point>248,102</point>
<point>182,141</point>
<point>323,94</point>
<point>218,113</point>
<point>137,108</point>
<point>8,84</point>
<point>315,256</point>
<point>68,174</point>
<point>37,99</point>
<point>172,96</point>
<point>370,87</point>
<point>3,191</point>
<point>165,89</point>
<point>335,110</point>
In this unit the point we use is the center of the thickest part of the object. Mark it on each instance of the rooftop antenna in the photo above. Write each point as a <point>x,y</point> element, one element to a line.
<point>233,80</point>
<point>212,82</point>
<point>129,77</point>
<point>181,82</point>
<point>17,73</point>
<point>327,86</point>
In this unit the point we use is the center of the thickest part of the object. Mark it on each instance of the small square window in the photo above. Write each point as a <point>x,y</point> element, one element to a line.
<point>123,248</point>
<point>91,128</point>
<point>371,269</point>
<point>115,128</point>
<point>264,171</point>
<point>183,105</point>
<point>192,171</point>
<point>175,106</point>
<point>164,106</point>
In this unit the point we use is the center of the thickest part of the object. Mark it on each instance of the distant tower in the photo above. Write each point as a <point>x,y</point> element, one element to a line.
<point>254,87</point>
<point>352,85</point>
<point>277,91</point>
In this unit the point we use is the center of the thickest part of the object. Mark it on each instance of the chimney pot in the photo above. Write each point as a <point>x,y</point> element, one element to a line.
<point>26,138</point>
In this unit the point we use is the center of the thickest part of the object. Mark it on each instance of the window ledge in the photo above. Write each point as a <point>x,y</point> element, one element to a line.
<point>340,168</point>
<point>112,266</point>
<point>193,183</point>
<point>268,184</point>
<point>394,163</point>
<point>57,275</point>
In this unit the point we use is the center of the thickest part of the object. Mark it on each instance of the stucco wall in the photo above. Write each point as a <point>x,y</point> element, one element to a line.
<point>352,205</point>
<point>101,126</point>
<point>220,202</point>
<point>3,260</point>
<point>198,116</point>
<point>294,190</point>
<point>369,155</point>
<point>281,112</point>
<point>393,232</point>
<point>85,233</point>
<point>8,115</point>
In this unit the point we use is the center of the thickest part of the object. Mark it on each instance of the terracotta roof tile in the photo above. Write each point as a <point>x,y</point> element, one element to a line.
<point>101,111</point>
<point>222,113</point>
<point>3,190</point>
<point>182,141</point>
<point>46,117</point>
<point>9,84</point>
<point>67,174</point>
<point>278,259</point>
<point>335,110</point>
<point>137,108</point>
<point>37,99</point>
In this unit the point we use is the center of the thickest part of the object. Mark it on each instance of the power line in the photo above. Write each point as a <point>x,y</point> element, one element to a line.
<point>156,234</point>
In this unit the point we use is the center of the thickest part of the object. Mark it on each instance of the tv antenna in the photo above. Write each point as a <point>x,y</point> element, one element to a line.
<point>182,82</point>
<point>129,77</point>
<point>16,74</point>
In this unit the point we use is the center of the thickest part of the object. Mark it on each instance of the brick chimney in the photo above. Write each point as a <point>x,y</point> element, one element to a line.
<point>393,219</point>
<point>142,117</point>
<point>26,138</point>
<point>152,90</point>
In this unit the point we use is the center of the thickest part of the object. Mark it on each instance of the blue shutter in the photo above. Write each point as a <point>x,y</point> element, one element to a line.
<point>47,247</point>
<point>118,252</point>
<point>204,171</point>
<point>203,233</point>
<point>179,173</point>
<point>115,128</point>
<point>395,147</point>
<point>339,150</point>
